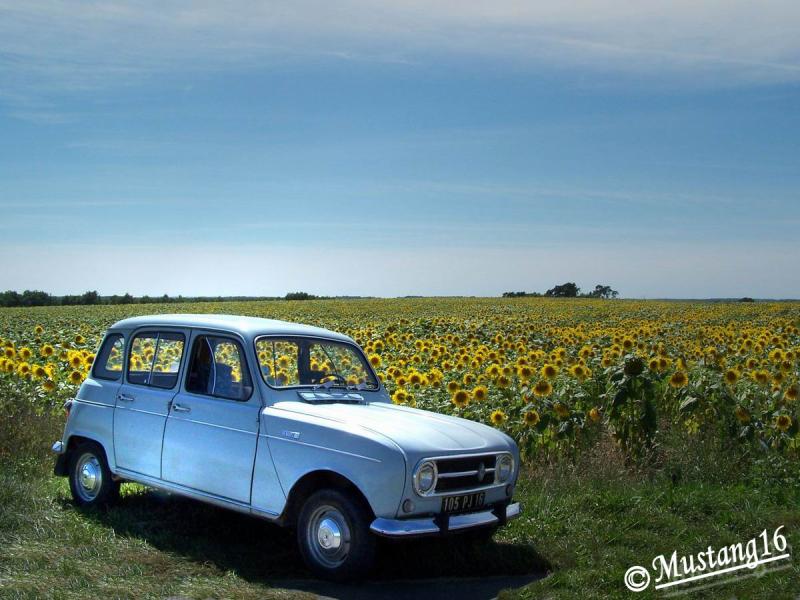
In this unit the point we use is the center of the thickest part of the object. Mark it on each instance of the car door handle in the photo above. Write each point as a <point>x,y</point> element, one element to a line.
<point>125,398</point>
<point>181,408</point>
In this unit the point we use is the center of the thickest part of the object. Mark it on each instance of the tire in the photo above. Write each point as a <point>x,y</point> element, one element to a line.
<point>334,537</point>
<point>90,479</point>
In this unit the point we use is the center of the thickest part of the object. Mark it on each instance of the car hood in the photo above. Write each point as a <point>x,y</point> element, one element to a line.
<point>417,432</point>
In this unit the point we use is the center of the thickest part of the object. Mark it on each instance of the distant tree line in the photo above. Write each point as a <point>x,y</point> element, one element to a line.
<point>11,298</point>
<point>567,290</point>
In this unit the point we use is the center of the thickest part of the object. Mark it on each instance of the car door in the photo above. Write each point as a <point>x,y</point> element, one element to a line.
<point>152,373</point>
<point>212,427</point>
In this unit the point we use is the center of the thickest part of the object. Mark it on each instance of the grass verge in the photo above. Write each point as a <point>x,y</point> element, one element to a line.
<point>585,523</point>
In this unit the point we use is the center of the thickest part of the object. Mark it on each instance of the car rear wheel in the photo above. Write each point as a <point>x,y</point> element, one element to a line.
<point>334,537</point>
<point>90,479</point>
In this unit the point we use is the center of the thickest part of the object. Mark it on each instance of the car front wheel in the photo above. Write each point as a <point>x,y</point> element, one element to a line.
<point>334,536</point>
<point>90,479</point>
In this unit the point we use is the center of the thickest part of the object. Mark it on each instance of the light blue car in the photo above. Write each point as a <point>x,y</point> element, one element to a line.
<point>281,421</point>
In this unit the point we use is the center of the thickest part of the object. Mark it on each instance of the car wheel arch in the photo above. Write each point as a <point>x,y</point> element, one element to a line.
<point>313,481</point>
<point>75,441</point>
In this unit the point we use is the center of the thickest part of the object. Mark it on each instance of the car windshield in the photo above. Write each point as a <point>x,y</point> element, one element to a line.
<point>292,362</point>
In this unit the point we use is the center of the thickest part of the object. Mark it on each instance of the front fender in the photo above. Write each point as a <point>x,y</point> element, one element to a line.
<point>300,444</point>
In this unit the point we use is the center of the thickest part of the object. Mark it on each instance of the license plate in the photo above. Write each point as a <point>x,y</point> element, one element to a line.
<point>463,503</point>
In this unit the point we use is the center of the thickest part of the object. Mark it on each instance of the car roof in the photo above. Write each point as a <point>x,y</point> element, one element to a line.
<point>244,326</point>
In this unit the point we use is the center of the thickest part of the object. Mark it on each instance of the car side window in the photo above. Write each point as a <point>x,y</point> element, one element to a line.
<point>108,363</point>
<point>155,359</point>
<point>218,368</point>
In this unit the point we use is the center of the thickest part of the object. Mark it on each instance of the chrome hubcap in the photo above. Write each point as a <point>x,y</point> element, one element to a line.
<point>88,476</point>
<point>328,536</point>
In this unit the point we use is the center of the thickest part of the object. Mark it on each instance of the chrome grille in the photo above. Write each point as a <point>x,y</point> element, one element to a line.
<point>462,473</point>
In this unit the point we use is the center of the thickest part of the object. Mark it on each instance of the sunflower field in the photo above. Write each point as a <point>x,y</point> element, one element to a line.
<point>556,375</point>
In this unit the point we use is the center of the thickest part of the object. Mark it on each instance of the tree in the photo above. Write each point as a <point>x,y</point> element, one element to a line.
<point>603,291</point>
<point>299,296</point>
<point>565,290</point>
<point>35,298</point>
<point>10,298</point>
<point>91,297</point>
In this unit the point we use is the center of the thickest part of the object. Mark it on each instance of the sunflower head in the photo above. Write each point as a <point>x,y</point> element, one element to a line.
<point>543,388</point>
<point>678,379</point>
<point>549,371</point>
<point>594,415</point>
<point>791,393</point>
<point>480,393</point>
<point>76,377</point>
<point>742,415</point>
<point>783,422</point>
<point>633,366</point>
<point>731,376</point>
<point>460,398</point>
<point>561,410</point>
<point>498,417</point>
<point>531,418</point>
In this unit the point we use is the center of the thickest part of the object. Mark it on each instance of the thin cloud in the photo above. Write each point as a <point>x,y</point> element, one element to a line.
<point>54,45</point>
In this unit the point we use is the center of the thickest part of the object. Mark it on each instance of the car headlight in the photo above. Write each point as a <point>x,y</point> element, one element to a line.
<point>504,468</point>
<point>425,478</point>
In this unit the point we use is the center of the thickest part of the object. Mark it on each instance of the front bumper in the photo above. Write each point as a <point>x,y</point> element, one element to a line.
<point>407,528</point>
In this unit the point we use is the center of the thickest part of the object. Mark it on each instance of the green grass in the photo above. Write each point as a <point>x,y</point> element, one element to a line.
<point>584,523</point>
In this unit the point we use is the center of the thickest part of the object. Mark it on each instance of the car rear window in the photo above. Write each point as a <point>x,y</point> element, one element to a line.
<point>108,363</point>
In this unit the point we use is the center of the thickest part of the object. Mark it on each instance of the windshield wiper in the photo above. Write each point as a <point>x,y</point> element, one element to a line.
<point>336,381</point>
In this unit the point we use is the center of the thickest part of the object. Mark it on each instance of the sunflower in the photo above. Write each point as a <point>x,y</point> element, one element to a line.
<point>594,414</point>
<point>460,398</point>
<point>498,417</point>
<point>76,377</point>
<point>23,369</point>
<point>49,385</point>
<point>561,410</point>
<point>542,388</point>
<point>79,339</point>
<point>783,422</point>
<point>678,379</point>
<point>731,376</point>
<point>791,393</point>
<point>524,372</point>
<point>400,396</point>
<point>452,386</point>
<point>549,371</point>
<point>39,330</point>
<point>579,372</point>
<point>480,393</point>
<point>10,352</point>
<point>38,371</point>
<point>742,415</point>
<point>25,353</point>
<point>375,361</point>
<point>47,350</point>
<point>761,377</point>
<point>531,418</point>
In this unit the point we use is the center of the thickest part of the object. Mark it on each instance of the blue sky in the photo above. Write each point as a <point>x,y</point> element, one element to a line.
<point>413,148</point>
